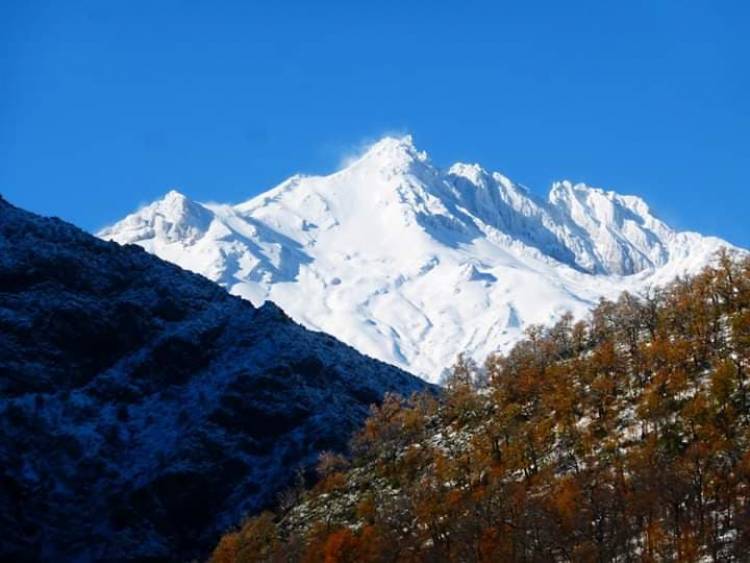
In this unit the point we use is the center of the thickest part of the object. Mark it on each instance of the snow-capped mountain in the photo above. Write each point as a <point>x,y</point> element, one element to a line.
<point>413,264</point>
<point>143,409</point>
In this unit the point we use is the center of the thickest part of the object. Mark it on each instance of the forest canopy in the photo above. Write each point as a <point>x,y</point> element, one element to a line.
<point>623,437</point>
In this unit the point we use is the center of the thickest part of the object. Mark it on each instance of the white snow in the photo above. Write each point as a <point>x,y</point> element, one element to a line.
<point>412,264</point>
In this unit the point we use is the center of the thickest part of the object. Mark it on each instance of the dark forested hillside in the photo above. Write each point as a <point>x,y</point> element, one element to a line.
<point>143,409</point>
<point>623,438</point>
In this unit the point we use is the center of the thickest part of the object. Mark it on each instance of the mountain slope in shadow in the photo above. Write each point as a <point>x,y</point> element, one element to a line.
<point>143,410</point>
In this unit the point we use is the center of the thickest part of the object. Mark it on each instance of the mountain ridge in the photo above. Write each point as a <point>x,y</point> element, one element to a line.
<point>143,409</point>
<point>381,249</point>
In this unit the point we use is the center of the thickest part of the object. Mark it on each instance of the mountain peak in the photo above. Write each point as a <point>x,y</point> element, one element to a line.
<point>375,253</point>
<point>395,153</point>
<point>173,218</point>
<point>473,172</point>
<point>177,206</point>
<point>565,189</point>
<point>174,195</point>
<point>390,142</point>
<point>563,193</point>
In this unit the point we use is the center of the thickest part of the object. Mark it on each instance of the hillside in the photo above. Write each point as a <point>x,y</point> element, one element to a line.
<point>622,438</point>
<point>143,409</point>
<point>412,264</point>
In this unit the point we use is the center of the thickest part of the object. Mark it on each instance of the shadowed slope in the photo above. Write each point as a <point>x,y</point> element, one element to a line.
<point>143,408</point>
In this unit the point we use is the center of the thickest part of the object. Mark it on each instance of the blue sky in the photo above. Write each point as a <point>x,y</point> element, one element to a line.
<point>107,105</point>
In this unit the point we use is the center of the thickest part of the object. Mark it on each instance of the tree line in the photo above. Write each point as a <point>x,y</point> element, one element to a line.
<point>622,437</point>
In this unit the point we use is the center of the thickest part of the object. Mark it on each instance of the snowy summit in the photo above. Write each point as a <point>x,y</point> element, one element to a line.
<point>413,264</point>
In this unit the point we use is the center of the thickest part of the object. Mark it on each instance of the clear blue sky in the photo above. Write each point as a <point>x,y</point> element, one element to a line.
<point>107,105</point>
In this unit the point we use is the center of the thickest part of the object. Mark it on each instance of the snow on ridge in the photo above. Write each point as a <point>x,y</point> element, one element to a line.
<point>377,253</point>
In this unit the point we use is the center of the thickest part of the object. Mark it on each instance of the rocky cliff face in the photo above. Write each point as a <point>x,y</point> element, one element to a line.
<point>143,410</point>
